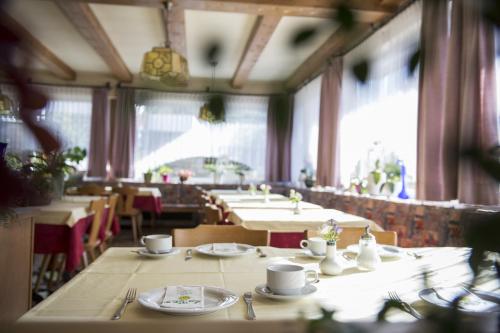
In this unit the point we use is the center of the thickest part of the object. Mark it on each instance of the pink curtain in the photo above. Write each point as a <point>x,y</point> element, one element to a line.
<point>279,136</point>
<point>328,170</point>
<point>457,108</point>
<point>123,134</point>
<point>99,133</point>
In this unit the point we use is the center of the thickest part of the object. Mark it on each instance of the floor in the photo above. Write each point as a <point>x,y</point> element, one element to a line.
<point>163,225</point>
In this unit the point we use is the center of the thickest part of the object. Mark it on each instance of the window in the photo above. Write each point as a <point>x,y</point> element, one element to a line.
<point>305,128</point>
<point>168,130</point>
<point>379,117</point>
<point>68,115</point>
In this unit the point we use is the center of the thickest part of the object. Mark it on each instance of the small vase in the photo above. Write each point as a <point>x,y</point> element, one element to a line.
<point>57,186</point>
<point>332,264</point>
<point>165,178</point>
<point>266,198</point>
<point>297,210</point>
<point>403,194</point>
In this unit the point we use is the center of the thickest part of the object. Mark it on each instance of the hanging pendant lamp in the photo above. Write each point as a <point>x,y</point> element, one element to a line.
<point>164,64</point>
<point>6,107</point>
<point>213,111</point>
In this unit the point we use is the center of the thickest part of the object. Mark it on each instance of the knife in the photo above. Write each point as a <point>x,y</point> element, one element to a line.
<point>189,254</point>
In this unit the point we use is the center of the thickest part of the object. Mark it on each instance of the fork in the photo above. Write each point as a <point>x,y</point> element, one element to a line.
<point>260,253</point>
<point>407,307</point>
<point>247,297</point>
<point>129,298</point>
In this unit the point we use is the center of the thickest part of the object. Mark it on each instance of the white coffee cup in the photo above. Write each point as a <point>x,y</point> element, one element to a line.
<point>157,243</point>
<point>287,279</point>
<point>316,245</point>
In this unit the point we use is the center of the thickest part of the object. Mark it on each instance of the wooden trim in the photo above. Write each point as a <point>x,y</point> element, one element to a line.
<point>176,28</point>
<point>37,50</point>
<point>335,44</point>
<point>260,36</point>
<point>85,21</point>
<point>140,3</point>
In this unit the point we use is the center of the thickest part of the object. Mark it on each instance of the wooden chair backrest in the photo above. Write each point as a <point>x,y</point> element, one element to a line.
<point>112,201</point>
<point>97,206</point>
<point>213,214</point>
<point>352,235</point>
<point>91,189</point>
<point>204,234</point>
<point>125,202</point>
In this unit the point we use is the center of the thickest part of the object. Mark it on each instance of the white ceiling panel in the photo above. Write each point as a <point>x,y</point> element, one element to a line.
<point>230,29</point>
<point>47,23</point>
<point>133,30</point>
<point>279,60</point>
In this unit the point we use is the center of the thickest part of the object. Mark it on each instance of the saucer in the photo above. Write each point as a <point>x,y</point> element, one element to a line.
<point>308,253</point>
<point>145,253</point>
<point>263,290</point>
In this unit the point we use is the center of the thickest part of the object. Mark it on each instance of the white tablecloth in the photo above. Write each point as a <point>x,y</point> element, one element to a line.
<point>149,191</point>
<point>62,212</point>
<point>267,205</point>
<point>246,197</point>
<point>98,291</point>
<point>286,220</point>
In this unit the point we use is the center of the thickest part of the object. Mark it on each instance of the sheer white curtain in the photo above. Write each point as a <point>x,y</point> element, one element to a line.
<point>168,129</point>
<point>305,128</point>
<point>384,109</point>
<point>67,114</point>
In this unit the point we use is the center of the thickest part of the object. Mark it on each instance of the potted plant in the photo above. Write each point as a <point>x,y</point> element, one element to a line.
<point>331,264</point>
<point>392,171</point>
<point>165,171</point>
<point>376,178</point>
<point>148,175</point>
<point>184,175</point>
<point>216,169</point>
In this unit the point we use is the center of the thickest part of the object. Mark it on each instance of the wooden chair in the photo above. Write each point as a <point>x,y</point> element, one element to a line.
<point>112,202</point>
<point>93,242</point>
<point>125,208</point>
<point>352,235</point>
<point>91,189</point>
<point>213,214</point>
<point>204,234</point>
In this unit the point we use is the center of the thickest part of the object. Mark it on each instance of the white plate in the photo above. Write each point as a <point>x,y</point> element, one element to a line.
<point>470,303</point>
<point>308,253</point>
<point>385,251</point>
<point>242,249</point>
<point>215,299</point>
<point>263,290</point>
<point>145,253</point>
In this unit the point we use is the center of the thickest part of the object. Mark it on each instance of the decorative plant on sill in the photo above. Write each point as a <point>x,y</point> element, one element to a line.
<point>184,175</point>
<point>164,171</point>
<point>392,172</point>
<point>148,176</point>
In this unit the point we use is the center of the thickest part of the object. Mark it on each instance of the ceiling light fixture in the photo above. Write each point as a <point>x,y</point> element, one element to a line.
<point>213,111</point>
<point>163,64</point>
<point>6,107</point>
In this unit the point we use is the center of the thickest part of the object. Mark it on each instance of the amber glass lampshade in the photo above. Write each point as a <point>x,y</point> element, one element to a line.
<point>165,65</point>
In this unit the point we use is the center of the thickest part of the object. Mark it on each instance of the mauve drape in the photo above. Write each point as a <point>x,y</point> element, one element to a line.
<point>99,133</point>
<point>279,136</point>
<point>123,141</point>
<point>328,167</point>
<point>457,108</point>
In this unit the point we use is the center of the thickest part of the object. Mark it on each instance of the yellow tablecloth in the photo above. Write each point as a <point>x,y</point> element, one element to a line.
<point>62,212</point>
<point>286,220</point>
<point>228,206</point>
<point>97,292</point>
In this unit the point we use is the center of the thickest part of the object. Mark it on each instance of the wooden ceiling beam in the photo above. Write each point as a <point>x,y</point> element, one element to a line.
<point>337,43</point>
<point>259,37</point>
<point>176,28</point>
<point>85,21</point>
<point>37,50</point>
<point>139,3</point>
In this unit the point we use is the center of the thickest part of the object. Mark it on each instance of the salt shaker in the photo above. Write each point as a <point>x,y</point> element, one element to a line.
<point>368,257</point>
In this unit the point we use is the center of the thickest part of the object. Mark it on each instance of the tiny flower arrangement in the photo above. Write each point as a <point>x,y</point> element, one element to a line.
<point>252,189</point>
<point>295,197</point>
<point>266,189</point>
<point>330,232</point>
<point>184,174</point>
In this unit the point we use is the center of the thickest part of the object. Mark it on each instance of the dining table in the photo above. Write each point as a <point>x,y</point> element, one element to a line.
<point>98,291</point>
<point>275,204</point>
<point>60,227</point>
<point>249,197</point>
<point>285,220</point>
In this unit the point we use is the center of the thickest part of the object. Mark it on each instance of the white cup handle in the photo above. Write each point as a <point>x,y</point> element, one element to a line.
<point>142,241</point>
<point>316,276</point>
<point>306,242</point>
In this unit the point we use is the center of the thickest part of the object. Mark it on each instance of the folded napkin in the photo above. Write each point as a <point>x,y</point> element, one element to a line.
<point>470,302</point>
<point>225,248</point>
<point>186,297</point>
